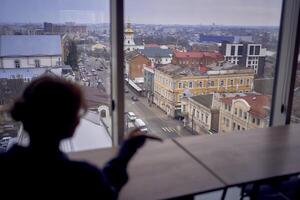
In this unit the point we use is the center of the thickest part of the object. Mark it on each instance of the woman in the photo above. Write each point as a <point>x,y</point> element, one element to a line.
<point>50,110</point>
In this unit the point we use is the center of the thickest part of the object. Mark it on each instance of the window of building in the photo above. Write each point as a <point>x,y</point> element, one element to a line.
<point>257,121</point>
<point>253,120</point>
<point>200,84</point>
<point>240,50</point>
<point>190,84</point>
<point>233,126</point>
<point>229,108</point>
<point>238,127</point>
<point>245,115</point>
<point>235,111</point>
<point>179,85</point>
<point>241,81</point>
<point>251,51</point>
<point>225,106</point>
<point>221,82</point>
<point>17,63</point>
<point>232,50</point>
<point>257,50</point>
<point>240,112</point>
<point>231,82</point>
<point>212,83</point>
<point>37,63</point>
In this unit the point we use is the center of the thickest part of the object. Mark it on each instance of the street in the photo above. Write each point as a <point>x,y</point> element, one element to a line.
<point>96,72</point>
<point>157,122</point>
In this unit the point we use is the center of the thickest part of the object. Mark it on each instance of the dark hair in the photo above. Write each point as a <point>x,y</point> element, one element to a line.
<point>49,105</point>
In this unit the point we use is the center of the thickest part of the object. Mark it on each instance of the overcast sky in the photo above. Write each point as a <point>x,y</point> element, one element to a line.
<point>220,12</point>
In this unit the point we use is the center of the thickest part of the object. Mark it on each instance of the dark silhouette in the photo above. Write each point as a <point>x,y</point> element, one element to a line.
<point>50,109</point>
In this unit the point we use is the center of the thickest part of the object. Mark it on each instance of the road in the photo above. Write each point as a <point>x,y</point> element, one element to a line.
<point>157,122</point>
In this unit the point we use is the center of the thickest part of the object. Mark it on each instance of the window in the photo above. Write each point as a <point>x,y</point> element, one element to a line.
<point>240,50</point>
<point>238,127</point>
<point>212,83</point>
<point>231,82</point>
<point>245,115</point>
<point>37,63</point>
<point>233,126</point>
<point>180,85</point>
<point>225,106</point>
<point>235,111</point>
<point>241,81</point>
<point>251,51</point>
<point>258,122</point>
<point>232,50</point>
<point>17,63</point>
<point>200,84</point>
<point>229,108</point>
<point>190,84</point>
<point>221,82</point>
<point>240,112</point>
<point>257,50</point>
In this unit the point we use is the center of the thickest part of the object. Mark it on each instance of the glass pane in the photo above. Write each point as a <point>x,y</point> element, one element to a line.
<point>295,117</point>
<point>201,67</point>
<point>69,39</point>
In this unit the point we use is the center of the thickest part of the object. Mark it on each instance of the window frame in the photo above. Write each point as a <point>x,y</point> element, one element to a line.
<point>284,78</point>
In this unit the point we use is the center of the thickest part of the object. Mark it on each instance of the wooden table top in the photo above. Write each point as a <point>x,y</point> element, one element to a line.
<point>247,156</point>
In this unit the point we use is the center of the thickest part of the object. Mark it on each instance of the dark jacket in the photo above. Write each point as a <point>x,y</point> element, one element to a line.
<point>26,173</point>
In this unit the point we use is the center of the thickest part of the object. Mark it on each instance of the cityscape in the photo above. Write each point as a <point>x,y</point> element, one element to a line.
<point>180,80</point>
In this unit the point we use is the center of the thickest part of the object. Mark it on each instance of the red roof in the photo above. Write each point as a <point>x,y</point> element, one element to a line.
<point>203,69</point>
<point>257,103</point>
<point>197,54</point>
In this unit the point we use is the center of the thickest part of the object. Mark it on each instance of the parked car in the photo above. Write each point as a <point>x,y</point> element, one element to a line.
<point>131,116</point>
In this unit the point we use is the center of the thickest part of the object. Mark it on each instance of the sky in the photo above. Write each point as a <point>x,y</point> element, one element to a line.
<point>205,12</point>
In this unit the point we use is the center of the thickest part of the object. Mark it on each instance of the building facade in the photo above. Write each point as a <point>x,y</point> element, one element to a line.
<point>203,114</point>
<point>135,64</point>
<point>245,54</point>
<point>30,51</point>
<point>195,59</point>
<point>244,112</point>
<point>149,83</point>
<point>173,82</point>
<point>158,55</point>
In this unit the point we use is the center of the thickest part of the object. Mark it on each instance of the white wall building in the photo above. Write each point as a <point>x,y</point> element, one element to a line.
<point>30,51</point>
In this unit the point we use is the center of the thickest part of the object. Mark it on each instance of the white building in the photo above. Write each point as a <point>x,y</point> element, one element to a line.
<point>129,44</point>
<point>246,54</point>
<point>30,51</point>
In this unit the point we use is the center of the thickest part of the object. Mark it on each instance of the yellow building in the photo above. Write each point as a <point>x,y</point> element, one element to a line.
<point>244,112</point>
<point>173,82</point>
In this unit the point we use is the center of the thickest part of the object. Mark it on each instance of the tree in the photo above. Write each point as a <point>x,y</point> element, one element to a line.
<point>72,57</point>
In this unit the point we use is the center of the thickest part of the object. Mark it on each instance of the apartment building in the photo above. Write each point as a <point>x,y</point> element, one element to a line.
<point>203,114</point>
<point>173,82</point>
<point>250,55</point>
<point>244,112</point>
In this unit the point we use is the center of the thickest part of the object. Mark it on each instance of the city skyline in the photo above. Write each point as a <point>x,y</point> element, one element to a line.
<point>196,12</point>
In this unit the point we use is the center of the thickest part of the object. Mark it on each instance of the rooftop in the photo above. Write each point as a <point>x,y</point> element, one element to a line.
<point>258,103</point>
<point>30,45</point>
<point>198,54</point>
<point>205,100</point>
<point>153,52</point>
<point>176,71</point>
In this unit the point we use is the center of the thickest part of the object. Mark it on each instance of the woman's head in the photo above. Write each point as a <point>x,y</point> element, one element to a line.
<point>49,108</point>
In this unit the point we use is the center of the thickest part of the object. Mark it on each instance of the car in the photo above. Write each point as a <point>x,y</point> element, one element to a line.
<point>141,125</point>
<point>131,116</point>
<point>134,98</point>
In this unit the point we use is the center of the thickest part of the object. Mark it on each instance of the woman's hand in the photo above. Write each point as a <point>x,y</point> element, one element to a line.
<point>135,140</point>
